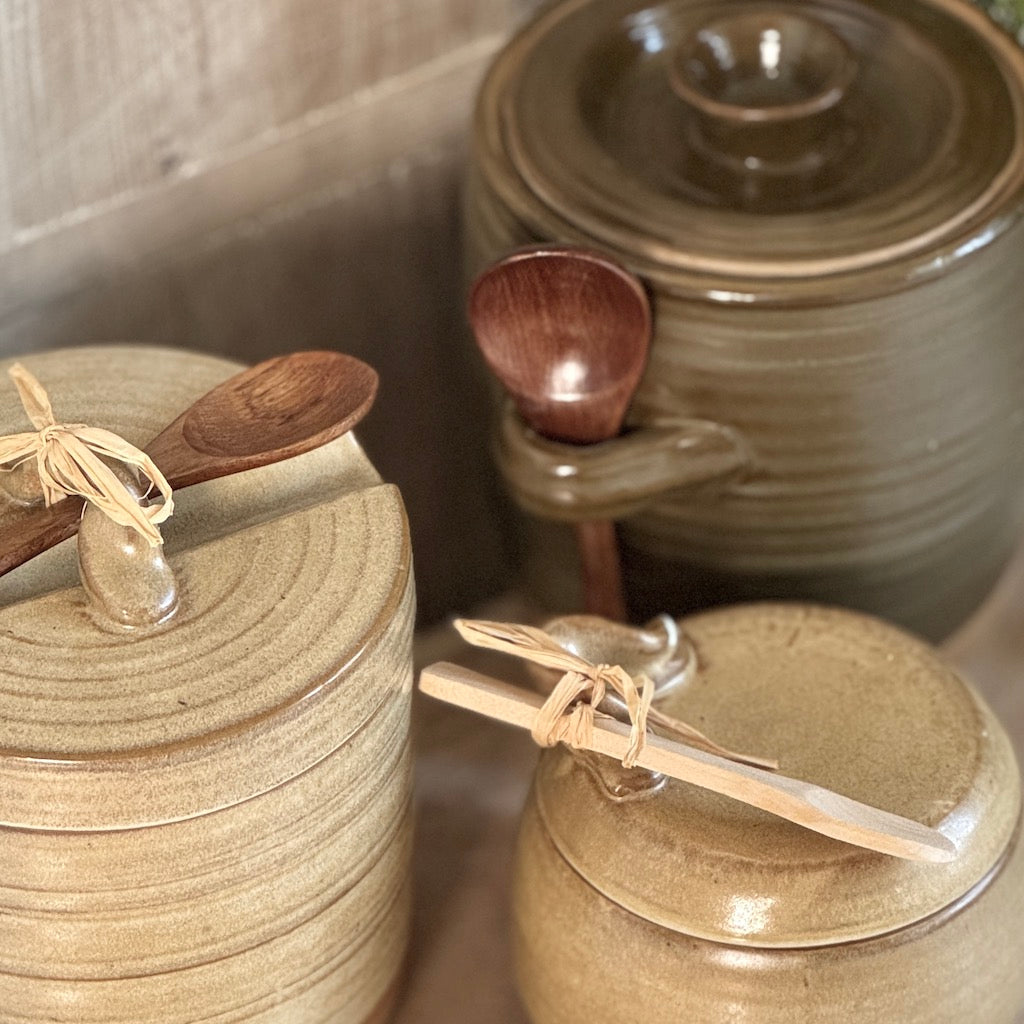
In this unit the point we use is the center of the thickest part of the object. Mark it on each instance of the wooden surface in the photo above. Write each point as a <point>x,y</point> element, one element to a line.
<point>104,100</point>
<point>343,235</point>
<point>567,333</point>
<point>472,778</point>
<point>249,177</point>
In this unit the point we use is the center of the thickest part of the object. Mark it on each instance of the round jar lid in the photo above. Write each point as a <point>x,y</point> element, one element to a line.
<point>295,601</point>
<point>744,150</point>
<point>841,700</point>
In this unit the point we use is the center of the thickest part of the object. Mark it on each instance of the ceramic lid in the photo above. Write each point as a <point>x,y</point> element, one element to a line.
<point>841,700</point>
<point>747,150</point>
<point>291,577</point>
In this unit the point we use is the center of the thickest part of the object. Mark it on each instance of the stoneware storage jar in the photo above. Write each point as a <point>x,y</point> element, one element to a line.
<point>208,819</point>
<point>645,899</point>
<point>825,200</point>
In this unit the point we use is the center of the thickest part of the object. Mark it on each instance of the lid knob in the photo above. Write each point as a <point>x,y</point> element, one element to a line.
<point>764,86</point>
<point>128,580</point>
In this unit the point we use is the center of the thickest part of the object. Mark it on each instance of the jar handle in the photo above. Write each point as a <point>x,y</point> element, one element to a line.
<point>616,478</point>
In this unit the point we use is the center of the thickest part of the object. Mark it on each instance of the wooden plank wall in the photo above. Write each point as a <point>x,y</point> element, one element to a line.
<point>252,176</point>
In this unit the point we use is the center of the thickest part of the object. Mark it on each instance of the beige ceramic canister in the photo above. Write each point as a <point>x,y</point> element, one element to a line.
<point>825,200</point>
<point>647,899</point>
<point>208,819</point>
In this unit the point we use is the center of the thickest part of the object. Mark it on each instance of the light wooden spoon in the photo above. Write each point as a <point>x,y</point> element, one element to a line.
<point>273,411</point>
<point>567,332</point>
<point>804,803</point>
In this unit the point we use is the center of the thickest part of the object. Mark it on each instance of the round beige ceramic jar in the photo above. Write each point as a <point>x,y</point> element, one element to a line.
<point>208,819</point>
<point>825,199</point>
<point>644,899</point>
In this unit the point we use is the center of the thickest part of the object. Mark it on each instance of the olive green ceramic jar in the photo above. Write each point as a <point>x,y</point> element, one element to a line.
<point>825,200</point>
<point>208,819</point>
<point>646,899</point>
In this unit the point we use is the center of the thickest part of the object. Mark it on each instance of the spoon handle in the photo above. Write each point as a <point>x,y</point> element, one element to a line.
<point>280,408</point>
<point>813,807</point>
<point>601,569</point>
<point>36,531</point>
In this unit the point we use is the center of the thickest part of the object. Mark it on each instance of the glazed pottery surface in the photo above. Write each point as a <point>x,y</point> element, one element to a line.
<point>208,818</point>
<point>693,906</point>
<point>829,221</point>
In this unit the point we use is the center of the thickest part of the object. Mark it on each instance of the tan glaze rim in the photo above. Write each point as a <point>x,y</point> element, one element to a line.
<point>727,861</point>
<point>322,686</point>
<point>966,970</point>
<point>792,283</point>
<point>906,932</point>
<point>927,919</point>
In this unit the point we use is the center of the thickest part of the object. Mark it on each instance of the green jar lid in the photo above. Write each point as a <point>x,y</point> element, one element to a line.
<point>759,150</point>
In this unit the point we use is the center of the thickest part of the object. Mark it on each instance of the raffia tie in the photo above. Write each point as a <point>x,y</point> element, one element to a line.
<point>567,716</point>
<point>69,458</point>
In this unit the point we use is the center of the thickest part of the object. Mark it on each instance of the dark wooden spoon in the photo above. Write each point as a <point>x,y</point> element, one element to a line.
<point>273,411</point>
<point>567,331</point>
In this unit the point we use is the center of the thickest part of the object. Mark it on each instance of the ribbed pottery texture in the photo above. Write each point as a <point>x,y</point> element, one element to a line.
<point>878,391</point>
<point>644,898</point>
<point>210,820</point>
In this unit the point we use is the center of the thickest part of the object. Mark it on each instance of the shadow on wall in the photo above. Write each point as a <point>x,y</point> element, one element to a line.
<point>373,269</point>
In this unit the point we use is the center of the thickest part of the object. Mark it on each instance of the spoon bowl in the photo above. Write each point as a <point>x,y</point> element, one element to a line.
<point>270,412</point>
<point>273,411</point>
<point>567,332</point>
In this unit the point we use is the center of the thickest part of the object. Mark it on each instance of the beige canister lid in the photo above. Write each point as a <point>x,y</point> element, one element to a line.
<point>742,151</point>
<point>291,577</point>
<point>841,700</point>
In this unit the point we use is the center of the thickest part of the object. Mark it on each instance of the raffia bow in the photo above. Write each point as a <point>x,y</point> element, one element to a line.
<point>69,458</point>
<point>567,716</point>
